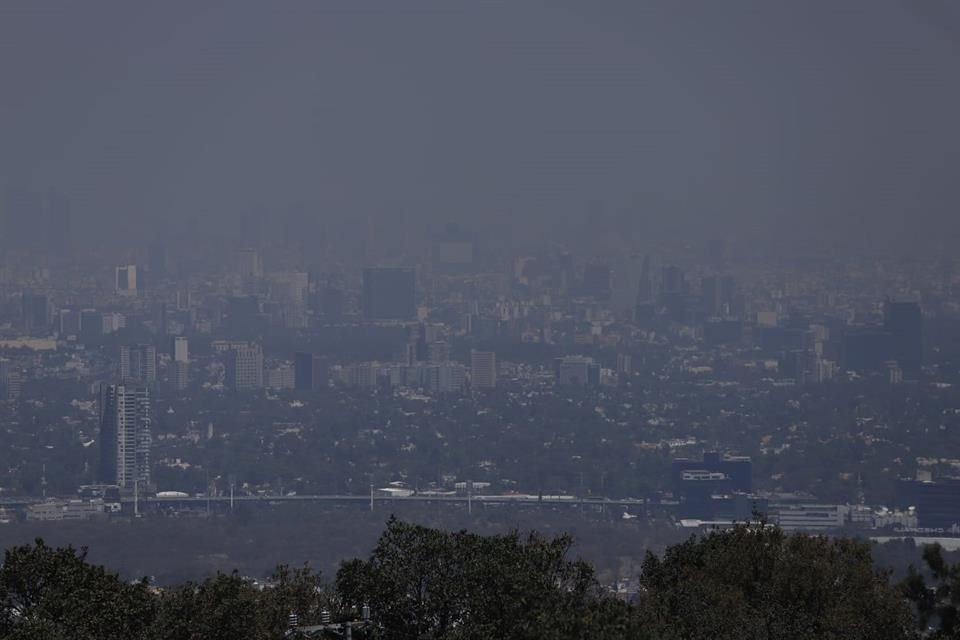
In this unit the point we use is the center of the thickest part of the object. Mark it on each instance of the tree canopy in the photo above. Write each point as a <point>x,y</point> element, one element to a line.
<point>55,593</point>
<point>753,582</point>
<point>758,582</point>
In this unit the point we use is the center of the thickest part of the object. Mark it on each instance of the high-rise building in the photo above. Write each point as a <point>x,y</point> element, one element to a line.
<point>303,371</point>
<point>452,251</point>
<point>157,260</point>
<point>34,312</point>
<point>576,371</point>
<point>332,300</point>
<point>483,369</point>
<point>180,358</point>
<point>310,372</point>
<point>673,293</point>
<point>126,280</point>
<point>179,349</point>
<point>249,264</point>
<point>280,378</point>
<point>125,436</point>
<point>904,322</point>
<point>111,322</point>
<point>289,290</point>
<point>567,273</point>
<point>9,381</point>
<point>718,295</point>
<point>181,374</point>
<point>91,325</point>
<point>68,322</point>
<point>389,293</point>
<point>245,367</point>
<point>644,307</point>
<point>438,352</point>
<point>138,364</point>
<point>448,377</point>
<point>672,280</point>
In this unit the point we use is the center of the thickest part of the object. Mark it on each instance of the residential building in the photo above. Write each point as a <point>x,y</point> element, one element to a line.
<point>138,364</point>
<point>9,381</point>
<point>809,517</point>
<point>245,367</point>
<point>125,435</point>
<point>311,372</point>
<point>180,359</point>
<point>280,377</point>
<point>483,369</point>
<point>126,280</point>
<point>576,371</point>
<point>56,510</point>
<point>904,322</point>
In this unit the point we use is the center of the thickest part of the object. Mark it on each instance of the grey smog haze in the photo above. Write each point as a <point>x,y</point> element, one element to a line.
<point>820,121</point>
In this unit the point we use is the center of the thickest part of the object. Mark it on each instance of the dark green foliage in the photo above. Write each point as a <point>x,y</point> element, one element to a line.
<point>757,582</point>
<point>752,582</point>
<point>937,604</point>
<point>299,591</point>
<point>228,607</point>
<point>54,593</point>
<point>220,608</point>
<point>425,583</point>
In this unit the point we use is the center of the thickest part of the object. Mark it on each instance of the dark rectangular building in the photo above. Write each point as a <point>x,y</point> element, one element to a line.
<point>34,312</point>
<point>865,348</point>
<point>904,322</point>
<point>310,372</point>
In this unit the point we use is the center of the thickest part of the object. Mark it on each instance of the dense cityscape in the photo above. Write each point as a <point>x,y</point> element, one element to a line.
<point>698,388</point>
<point>444,320</point>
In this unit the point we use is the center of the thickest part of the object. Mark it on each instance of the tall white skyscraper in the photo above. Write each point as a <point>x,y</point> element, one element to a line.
<point>125,436</point>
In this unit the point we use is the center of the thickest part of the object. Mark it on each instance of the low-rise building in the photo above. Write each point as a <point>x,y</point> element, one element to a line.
<point>54,510</point>
<point>809,517</point>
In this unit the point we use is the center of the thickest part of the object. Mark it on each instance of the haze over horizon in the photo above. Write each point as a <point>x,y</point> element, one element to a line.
<point>820,122</point>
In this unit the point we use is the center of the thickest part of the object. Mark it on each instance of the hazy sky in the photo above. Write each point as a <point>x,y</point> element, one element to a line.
<point>624,119</point>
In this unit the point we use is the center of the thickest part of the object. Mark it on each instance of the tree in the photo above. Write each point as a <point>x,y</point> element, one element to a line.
<point>55,593</point>
<point>936,604</point>
<point>758,582</point>
<point>425,583</point>
<point>224,607</point>
<point>297,591</point>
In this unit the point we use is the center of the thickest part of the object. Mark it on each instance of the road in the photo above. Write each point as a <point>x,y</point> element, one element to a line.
<point>480,499</point>
<point>144,501</point>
